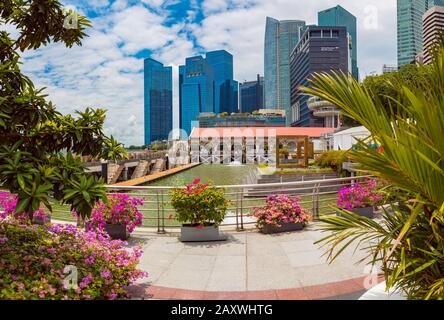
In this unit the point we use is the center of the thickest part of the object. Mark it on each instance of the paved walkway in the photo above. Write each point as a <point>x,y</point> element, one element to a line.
<point>155,176</point>
<point>249,265</point>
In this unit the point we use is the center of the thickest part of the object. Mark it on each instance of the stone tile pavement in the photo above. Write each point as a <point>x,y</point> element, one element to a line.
<point>248,263</point>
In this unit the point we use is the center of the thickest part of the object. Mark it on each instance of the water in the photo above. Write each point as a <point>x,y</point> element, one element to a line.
<point>217,174</point>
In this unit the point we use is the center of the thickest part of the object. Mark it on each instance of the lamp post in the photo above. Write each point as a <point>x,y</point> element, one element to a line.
<point>104,170</point>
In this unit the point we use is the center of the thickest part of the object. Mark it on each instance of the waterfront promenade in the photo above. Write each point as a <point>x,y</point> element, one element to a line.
<point>248,266</point>
<point>156,176</point>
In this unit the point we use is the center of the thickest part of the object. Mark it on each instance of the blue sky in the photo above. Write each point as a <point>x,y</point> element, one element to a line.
<point>107,71</point>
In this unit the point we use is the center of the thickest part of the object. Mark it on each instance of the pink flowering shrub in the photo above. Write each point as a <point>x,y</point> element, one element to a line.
<point>360,195</point>
<point>120,209</point>
<point>280,209</point>
<point>200,204</point>
<point>8,203</point>
<point>33,260</point>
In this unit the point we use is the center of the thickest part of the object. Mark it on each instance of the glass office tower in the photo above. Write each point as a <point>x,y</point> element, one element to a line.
<point>206,85</point>
<point>410,33</point>
<point>197,91</point>
<point>251,95</point>
<point>158,101</point>
<point>320,50</point>
<point>339,17</point>
<point>225,88</point>
<point>280,39</point>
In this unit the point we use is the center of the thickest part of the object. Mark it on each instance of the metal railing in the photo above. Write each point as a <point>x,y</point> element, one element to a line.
<point>317,196</point>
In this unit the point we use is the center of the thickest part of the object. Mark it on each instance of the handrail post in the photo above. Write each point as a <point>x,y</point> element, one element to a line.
<point>242,209</point>
<point>163,213</point>
<point>158,212</point>
<point>313,206</point>
<point>237,211</point>
<point>318,190</point>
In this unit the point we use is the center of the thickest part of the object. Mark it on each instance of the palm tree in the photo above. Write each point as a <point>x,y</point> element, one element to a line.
<point>409,243</point>
<point>114,150</point>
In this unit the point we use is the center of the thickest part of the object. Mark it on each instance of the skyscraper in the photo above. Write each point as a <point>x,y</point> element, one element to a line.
<point>251,95</point>
<point>225,88</point>
<point>339,17</point>
<point>158,101</point>
<point>410,33</point>
<point>206,85</point>
<point>433,26</point>
<point>197,91</point>
<point>321,49</point>
<point>280,39</point>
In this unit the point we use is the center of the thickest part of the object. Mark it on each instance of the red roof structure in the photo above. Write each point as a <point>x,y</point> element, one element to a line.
<point>265,132</point>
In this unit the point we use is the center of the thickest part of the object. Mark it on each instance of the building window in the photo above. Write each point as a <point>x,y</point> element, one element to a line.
<point>296,112</point>
<point>316,34</point>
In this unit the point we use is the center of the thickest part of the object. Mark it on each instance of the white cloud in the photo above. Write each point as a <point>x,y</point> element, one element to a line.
<point>105,72</point>
<point>241,30</point>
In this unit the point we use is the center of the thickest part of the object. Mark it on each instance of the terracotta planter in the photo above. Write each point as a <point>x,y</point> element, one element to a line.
<point>189,233</point>
<point>285,227</point>
<point>117,231</point>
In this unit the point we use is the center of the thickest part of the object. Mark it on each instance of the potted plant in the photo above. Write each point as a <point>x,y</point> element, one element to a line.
<point>361,198</point>
<point>281,213</point>
<point>118,216</point>
<point>200,208</point>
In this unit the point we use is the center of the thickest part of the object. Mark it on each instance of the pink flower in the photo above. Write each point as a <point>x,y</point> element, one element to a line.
<point>197,181</point>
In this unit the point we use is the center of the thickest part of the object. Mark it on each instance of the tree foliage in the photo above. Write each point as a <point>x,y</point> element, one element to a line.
<point>409,240</point>
<point>388,87</point>
<point>39,145</point>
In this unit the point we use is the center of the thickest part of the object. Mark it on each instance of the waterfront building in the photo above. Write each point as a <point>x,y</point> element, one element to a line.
<point>210,120</point>
<point>246,144</point>
<point>251,95</point>
<point>339,17</point>
<point>280,39</point>
<point>433,27</point>
<point>206,85</point>
<point>158,101</point>
<point>321,49</point>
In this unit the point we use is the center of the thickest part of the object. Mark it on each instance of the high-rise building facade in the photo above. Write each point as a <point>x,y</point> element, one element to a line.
<point>226,90</point>
<point>321,49</point>
<point>206,85</point>
<point>410,33</point>
<point>280,39</point>
<point>158,101</point>
<point>197,91</point>
<point>251,95</point>
<point>433,27</point>
<point>339,17</point>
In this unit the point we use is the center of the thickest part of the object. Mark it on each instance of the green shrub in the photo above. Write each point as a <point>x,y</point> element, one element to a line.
<point>332,159</point>
<point>199,204</point>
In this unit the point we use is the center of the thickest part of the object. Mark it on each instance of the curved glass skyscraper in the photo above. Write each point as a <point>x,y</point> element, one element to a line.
<point>280,39</point>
